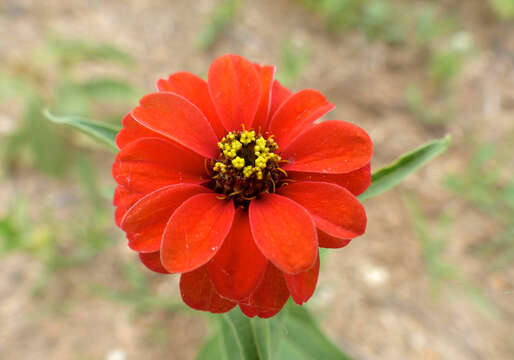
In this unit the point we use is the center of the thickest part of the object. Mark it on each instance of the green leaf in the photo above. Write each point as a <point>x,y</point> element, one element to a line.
<point>246,338</point>
<point>393,174</point>
<point>105,133</point>
<point>291,335</point>
<point>212,350</point>
<point>303,338</point>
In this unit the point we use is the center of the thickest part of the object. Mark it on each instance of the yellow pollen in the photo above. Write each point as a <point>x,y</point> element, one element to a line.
<point>246,158</point>
<point>238,162</point>
<point>248,171</point>
<point>220,167</point>
<point>247,137</point>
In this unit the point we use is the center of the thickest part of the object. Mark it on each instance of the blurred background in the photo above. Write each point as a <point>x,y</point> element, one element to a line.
<point>433,278</point>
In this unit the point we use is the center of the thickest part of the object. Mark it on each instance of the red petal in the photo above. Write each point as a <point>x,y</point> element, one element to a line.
<point>266,74</point>
<point>269,298</point>
<point>149,164</point>
<point>198,292</point>
<point>238,267</point>
<point>331,242</point>
<point>302,286</point>
<point>195,232</point>
<point>132,130</point>
<point>153,262</point>
<point>356,181</point>
<point>149,240</point>
<point>279,94</point>
<point>194,89</point>
<point>284,232</point>
<point>178,119</point>
<point>332,147</point>
<point>334,209</point>
<point>235,89</point>
<point>146,219</point>
<point>297,114</point>
<point>123,199</point>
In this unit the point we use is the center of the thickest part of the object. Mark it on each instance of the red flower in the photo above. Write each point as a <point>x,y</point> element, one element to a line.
<point>231,183</point>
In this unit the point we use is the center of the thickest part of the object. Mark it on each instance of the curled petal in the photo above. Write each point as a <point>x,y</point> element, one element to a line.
<point>149,240</point>
<point>284,232</point>
<point>269,298</point>
<point>356,181</point>
<point>238,267</point>
<point>331,147</point>
<point>146,219</point>
<point>198,292</point>
<point>148,164</point>
<point>132,130</point>
<point>334,209</point>
<point>194,89</point>
<point>195,232</point>
<point>331,242</point>
<point>176,118</point>
<point>266,74</point>
<point>153,262</point>
<point>123,200</point>
<point>235,89</point>
<point>302,286</point>
<point>296,114</point>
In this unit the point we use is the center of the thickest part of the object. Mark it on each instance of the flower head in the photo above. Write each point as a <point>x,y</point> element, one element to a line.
<point>231,183</point>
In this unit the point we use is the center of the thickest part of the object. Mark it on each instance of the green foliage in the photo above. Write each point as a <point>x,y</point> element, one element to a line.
<point>389,176</point>
<point>221,18</point>
<point>293,334</point>
<point>72,51</point>
<point>419,107</point>
<point>138,293</point>
<point>503,8</point>
<point>434,104</point>
<point>54,82</point>
<point>446,63</point>
<point>104,133</point>
<point>484,184</point>
<point>442,272</point>
<point>430,26</point>
<point>43,140</point>
<point>293,60</point>
<point>377,19</point>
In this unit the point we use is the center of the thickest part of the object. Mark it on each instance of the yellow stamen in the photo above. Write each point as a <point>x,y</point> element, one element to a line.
<point>238,162</point>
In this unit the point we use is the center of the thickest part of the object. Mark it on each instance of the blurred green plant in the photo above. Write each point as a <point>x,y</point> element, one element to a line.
<point>138,293</point>
<point>430,25</point>
<point>220,20</point>
<point>486,184</point>
<point>426,28</point>
<point>443,274</point>
<point>503,8</point>
<point>377,19</point>
<point>446,63</point>
<point>293,59</point>
<point>55,81</point>
<point>418,106</point>
<point>434,103</point>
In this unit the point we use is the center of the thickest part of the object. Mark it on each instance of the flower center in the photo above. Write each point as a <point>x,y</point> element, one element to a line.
<point>248,165</point>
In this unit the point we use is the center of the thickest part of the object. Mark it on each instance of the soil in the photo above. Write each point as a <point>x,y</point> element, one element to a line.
<point>375,297</point>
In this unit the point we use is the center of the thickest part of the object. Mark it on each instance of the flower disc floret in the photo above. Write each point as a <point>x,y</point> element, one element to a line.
<point>248,165</point>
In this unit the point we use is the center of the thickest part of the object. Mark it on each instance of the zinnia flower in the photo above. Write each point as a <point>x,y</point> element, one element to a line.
<point>231,183</point>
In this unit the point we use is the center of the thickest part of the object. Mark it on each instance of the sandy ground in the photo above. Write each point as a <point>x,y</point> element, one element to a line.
<point>374,297</point>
